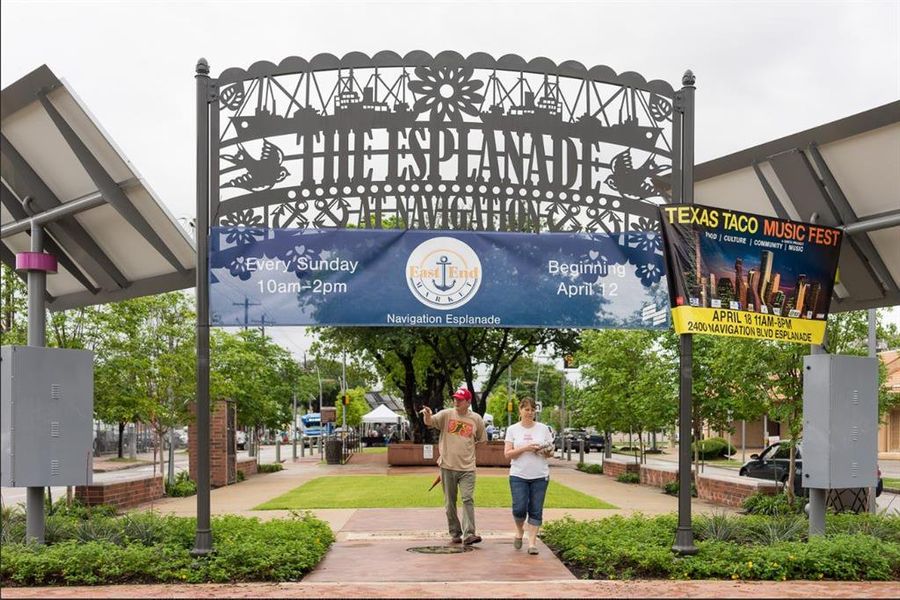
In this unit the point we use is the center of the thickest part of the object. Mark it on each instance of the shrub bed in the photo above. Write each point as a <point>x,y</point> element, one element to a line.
<point>856,547</point>
<point>182,487</point>
<point>269,467</point>
<point>150,548</point>
<point>773,505</point>
<point>671,488</point>
<point>629,478</point>
<point>593,469</point>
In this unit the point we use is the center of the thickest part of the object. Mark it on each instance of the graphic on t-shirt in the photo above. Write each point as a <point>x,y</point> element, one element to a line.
<point>460,428</point>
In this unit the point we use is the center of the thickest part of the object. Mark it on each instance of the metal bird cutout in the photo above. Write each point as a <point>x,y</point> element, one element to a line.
<point>261,173</point>
<point>631,182</point>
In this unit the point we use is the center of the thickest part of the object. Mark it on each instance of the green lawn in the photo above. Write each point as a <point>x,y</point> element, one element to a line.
<point>891,482</point>
<point>411,491</point>
<point>375,450</point>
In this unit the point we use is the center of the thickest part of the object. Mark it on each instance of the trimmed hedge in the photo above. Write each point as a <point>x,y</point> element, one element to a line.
<point>269,467</point>
<point>149,548</point>
<point>857,547</point>
<point>592,468</point>
<point>712,448</point>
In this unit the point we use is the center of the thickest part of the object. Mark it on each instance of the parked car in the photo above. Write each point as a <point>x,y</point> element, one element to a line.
<point>773,464</point>
<point>596,441</point>
<point>574,435</point>
<point>241,439</point>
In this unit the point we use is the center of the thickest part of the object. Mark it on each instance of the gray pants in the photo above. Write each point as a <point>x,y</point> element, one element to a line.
<point>462,481</point>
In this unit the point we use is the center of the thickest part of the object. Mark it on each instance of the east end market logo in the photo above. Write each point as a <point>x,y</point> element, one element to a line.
<point>443,273</point>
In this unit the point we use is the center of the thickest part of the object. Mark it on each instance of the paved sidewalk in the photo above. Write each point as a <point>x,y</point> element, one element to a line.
<point>569,588</point>
<point>375,552</point>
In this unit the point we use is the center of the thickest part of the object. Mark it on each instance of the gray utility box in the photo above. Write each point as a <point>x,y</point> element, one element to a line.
<point>840,421</point>
<point>46,416</point>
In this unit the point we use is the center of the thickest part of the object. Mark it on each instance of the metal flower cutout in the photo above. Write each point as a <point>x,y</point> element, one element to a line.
<point>243,227</point>
<point>446,92</point>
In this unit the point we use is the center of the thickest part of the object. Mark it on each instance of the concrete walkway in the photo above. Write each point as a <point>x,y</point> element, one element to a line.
<point>376,552</point>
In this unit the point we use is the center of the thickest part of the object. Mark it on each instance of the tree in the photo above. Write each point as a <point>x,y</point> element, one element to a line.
<point>258,375</point>
<point>357,408</point>
<point>402,362</point>
<point>629,382</point>
<point>497,406</point>
<point>13,308</point>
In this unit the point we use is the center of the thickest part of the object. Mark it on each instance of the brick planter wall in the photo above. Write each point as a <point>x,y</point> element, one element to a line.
<point>615,466</point>
<point>248,466</point>
<point>658,476</point>
<point>732,490</point>
<point>489,454</point>
<point>121,494</point>
<point>410,454</point>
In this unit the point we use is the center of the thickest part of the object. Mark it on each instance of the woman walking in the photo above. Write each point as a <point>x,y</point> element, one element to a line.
<point>528,444</point>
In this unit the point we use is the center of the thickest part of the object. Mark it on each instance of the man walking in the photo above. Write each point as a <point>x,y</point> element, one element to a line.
<point>460,430</point>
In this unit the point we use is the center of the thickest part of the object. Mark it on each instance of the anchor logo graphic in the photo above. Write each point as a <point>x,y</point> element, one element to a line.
<point>443,273</point>
<point>444,262</point>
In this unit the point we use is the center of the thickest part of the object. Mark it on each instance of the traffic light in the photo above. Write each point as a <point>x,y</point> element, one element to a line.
<point>346,399</point>
<point>569,362</point>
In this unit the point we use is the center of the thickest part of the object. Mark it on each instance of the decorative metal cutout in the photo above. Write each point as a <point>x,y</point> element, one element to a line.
<point>441,142</point>
<point>459,549</point>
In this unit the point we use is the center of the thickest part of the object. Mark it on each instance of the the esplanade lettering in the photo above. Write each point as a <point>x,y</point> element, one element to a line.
<point>442,142</point>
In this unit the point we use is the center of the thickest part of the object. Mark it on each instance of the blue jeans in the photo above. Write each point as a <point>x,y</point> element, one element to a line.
<point>528,499</point>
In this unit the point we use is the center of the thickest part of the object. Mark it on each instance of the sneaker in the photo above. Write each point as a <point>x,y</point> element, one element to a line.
<point>456,540</point>
<point>517,543</point>
<point>532,550</point>
<point>472,539</point>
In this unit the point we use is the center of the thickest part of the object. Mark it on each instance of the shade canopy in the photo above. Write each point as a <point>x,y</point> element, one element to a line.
<point>845,174</point>
<point>382,414</point>
<point>111,235</point>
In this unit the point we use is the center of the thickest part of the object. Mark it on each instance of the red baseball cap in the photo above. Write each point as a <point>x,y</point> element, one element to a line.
<point>463,393</point>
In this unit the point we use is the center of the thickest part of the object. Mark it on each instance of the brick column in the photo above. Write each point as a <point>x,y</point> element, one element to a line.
<point>218,455</point>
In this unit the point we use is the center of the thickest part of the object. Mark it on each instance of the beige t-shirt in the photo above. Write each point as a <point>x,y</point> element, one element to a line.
<point>458,438</point>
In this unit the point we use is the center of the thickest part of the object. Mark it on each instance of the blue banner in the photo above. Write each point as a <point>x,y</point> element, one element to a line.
<point>365,277</point>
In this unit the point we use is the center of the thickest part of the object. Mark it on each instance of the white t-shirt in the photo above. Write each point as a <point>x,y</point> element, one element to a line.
<point>529,465</point>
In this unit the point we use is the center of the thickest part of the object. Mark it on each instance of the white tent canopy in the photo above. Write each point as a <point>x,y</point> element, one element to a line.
<point>488,418</point>
<point>382,414</point>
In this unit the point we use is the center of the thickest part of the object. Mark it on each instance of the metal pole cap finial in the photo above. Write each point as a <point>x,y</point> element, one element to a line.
<point>202,67</point>
<point>688,78</point>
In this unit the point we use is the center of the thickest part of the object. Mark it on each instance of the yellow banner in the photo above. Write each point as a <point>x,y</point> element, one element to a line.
<point>740,323</point>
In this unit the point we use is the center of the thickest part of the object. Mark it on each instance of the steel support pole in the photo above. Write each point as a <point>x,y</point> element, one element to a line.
<point>294,427</point>
<point>203,538</point>
<point>37,336</point>
<point>818,497</point>
<point>684,133</point>
<point>873,353</point>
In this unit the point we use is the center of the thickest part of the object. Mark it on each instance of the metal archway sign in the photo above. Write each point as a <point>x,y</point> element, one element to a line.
<point>416,142</point>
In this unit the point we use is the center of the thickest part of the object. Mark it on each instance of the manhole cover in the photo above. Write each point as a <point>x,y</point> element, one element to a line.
<point>440,549</point>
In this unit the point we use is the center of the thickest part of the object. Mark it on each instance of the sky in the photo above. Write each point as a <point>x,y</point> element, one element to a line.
<point>764,69</point>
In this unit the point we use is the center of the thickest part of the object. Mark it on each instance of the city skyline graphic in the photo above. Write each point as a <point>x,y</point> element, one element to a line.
<point>763,275</point>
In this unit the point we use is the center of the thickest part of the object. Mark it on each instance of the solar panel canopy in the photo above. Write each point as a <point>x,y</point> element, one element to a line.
<point>845,173</point>
<point>54,152</point>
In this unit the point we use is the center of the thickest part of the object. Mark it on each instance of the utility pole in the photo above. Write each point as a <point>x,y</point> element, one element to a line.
<point>246,304</point>
<point>262,322</point>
